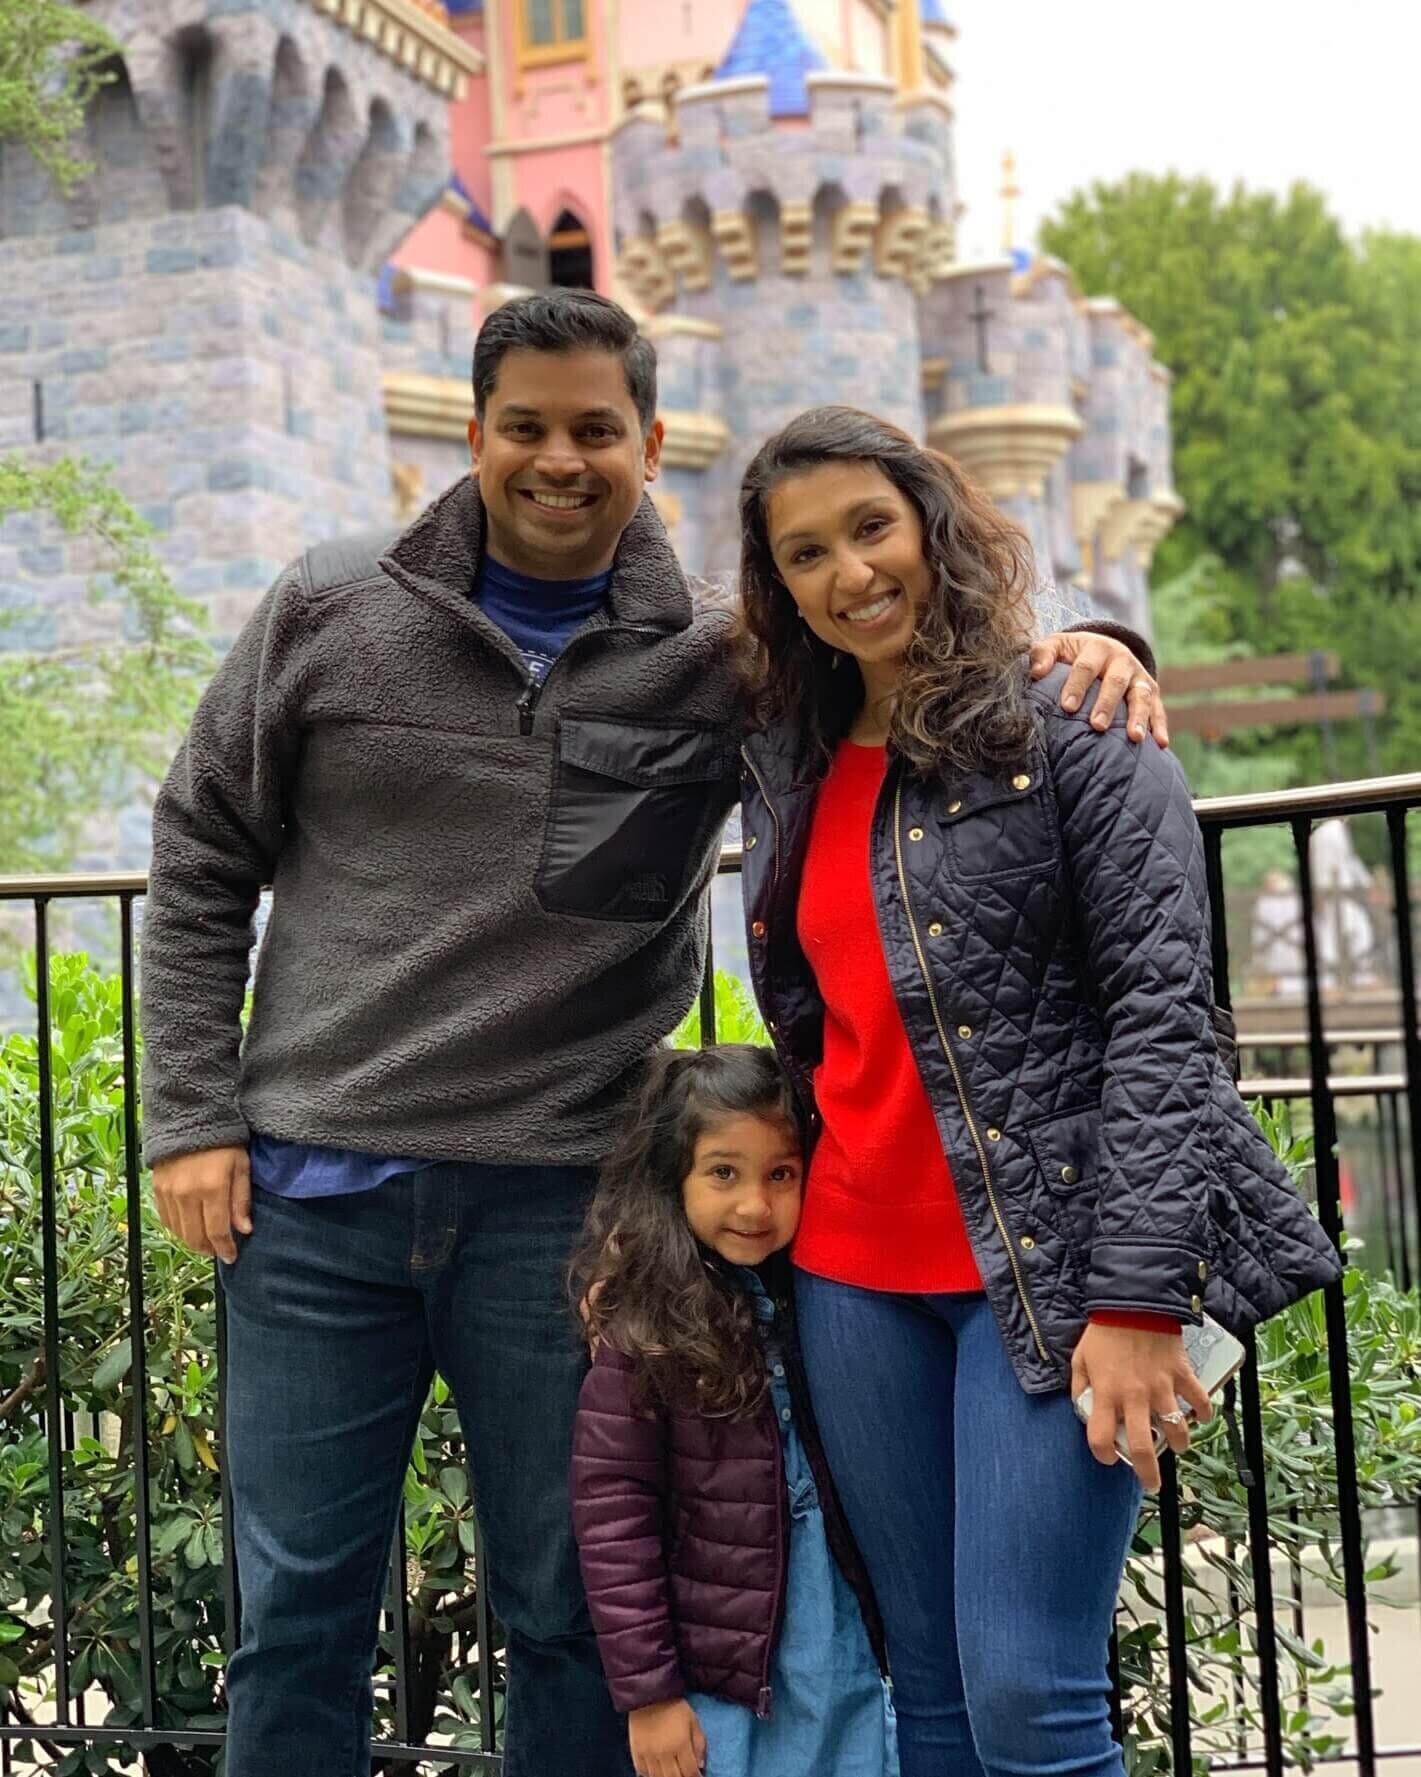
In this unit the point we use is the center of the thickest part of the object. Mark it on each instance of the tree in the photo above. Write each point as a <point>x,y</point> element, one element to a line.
<point>53,59</point>
<point>1297,424</point>
<point>79,727</point>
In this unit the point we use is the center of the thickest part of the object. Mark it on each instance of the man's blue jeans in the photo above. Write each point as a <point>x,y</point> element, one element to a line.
<point>339,1309</point>
<point>994,1539</point>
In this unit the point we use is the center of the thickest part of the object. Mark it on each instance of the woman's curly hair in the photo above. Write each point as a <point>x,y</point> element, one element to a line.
<point>962,700</point>
<point>640,1280</point>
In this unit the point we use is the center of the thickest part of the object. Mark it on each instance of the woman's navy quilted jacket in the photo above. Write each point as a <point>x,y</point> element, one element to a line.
<point>1047,934</point>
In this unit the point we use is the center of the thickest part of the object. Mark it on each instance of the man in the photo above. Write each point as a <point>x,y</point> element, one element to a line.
<point>485,774</point>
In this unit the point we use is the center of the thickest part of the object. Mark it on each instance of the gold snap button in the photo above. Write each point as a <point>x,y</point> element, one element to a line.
<point>1028,1244</point>
<point>964,1031</point>
<point>751,843</point>
<point>1203,1271</point>
<point>935,929</point>
<point>1021,781</point>
<point>1069,1174</point>
<point>1195,1303</point>
<point>758,929</point>
<point>915,832</point>
<point>994,1135</point>
<point>954,808</point>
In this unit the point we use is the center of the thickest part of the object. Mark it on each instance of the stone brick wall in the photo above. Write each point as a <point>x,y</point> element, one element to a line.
<point>229,373</point>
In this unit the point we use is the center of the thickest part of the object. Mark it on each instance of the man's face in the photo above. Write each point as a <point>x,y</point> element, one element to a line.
<point>561,462</point>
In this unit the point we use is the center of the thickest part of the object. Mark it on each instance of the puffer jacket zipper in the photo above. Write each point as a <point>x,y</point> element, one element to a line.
<point>762,1705</point>
<point>957,1079</point>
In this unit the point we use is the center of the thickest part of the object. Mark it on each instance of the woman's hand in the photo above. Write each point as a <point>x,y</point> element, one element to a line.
<point>667,1740</point>
<point>1135,1377</point>
<point>1091,657</point>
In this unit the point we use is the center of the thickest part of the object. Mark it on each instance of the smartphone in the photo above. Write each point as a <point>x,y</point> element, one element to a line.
<point>1215,1357</point>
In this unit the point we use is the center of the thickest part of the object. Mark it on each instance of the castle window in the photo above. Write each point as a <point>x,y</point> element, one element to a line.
<point>570,254</point>
<point>551,31</point>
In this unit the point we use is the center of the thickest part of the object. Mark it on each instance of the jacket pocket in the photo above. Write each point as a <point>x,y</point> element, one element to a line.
<point>1067,1150</point>
<point>998,826</point>
<point>635,808</point>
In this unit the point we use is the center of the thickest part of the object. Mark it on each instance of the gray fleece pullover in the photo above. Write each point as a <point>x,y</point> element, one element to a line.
<point>487,902</point>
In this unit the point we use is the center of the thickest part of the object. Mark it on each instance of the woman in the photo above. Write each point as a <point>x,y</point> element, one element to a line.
<point>979,934</point>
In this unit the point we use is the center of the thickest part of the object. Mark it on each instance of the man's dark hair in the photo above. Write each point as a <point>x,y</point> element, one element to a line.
<point>566,321</point>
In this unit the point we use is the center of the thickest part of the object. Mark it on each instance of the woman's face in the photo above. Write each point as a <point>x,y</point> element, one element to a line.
<point>849,547</point>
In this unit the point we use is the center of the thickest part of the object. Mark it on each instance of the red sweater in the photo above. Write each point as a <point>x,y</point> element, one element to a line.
<point>881,1210</point>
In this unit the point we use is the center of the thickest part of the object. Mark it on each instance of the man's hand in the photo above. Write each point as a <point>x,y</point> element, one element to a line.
<point>1136,1377</point>
<point>203,1197</point>
<point>1093,657</point>
<point>667,1740</point>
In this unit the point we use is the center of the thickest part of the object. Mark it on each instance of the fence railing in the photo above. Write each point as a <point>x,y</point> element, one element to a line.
<point>1392,1079</point>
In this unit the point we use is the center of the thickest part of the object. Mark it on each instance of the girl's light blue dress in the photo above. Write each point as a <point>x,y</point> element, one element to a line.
<point>830,1712</point>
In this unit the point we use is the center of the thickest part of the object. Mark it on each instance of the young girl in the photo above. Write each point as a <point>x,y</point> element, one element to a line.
<point>733,1616</point>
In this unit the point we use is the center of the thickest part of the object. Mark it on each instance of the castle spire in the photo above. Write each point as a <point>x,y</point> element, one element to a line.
<point>772,42</point>
<point>1010,192</point>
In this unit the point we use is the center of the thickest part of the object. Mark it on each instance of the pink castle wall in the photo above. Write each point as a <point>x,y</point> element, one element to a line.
<point>656,31</point>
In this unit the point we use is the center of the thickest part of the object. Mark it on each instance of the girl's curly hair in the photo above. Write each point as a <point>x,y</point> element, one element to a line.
<point>640,1280</point>
<point>962,700</point>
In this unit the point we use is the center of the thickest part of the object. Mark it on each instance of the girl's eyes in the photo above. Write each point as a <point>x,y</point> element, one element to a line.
<point>785,1175</point>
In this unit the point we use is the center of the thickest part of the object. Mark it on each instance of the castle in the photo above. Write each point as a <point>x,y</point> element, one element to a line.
<point>260,306</point>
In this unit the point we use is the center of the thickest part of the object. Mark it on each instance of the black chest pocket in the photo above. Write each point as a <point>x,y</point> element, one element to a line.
<point>636,807</point>
<point>1000,826</point>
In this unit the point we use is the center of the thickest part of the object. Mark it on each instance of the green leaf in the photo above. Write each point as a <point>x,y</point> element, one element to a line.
<point>455,1484</point>
<point>115,1366</point>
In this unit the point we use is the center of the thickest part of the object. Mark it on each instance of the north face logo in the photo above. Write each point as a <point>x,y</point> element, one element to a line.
<point>648,888</point>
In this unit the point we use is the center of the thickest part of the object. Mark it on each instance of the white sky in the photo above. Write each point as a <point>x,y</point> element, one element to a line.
<point>1265,90</point>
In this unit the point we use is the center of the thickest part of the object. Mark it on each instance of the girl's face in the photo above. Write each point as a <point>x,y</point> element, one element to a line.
<point>849,547</point>
<point>742,1195</point>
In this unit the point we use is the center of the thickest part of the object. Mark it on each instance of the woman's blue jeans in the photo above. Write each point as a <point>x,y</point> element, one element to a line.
<point>994,1540</point>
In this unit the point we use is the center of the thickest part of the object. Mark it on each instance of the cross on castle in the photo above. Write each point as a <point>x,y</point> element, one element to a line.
<point>980,314</point>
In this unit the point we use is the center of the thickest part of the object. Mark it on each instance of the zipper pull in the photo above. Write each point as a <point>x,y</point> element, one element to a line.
<point>762,1707</point>
<point>527,703</point>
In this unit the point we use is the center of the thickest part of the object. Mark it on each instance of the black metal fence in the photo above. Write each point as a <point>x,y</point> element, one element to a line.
<point>1393,1081</point>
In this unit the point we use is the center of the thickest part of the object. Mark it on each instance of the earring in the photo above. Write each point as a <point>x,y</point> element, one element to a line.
<point>834,663</point>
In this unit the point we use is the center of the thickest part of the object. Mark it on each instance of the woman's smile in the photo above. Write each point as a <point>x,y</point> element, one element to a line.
<point>869,613</point>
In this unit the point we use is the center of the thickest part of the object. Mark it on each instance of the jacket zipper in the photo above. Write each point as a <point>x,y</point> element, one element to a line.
<point>774,818</point>
<point>762,1704</point>
<point>805,1080</point>
<point>957,1075</point>
<point>527,705</point>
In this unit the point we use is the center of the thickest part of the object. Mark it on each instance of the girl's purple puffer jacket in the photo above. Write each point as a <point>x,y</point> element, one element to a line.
<point>682,1527</point>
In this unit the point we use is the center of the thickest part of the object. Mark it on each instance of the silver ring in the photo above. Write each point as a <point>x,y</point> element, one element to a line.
<point>1175,1418</point>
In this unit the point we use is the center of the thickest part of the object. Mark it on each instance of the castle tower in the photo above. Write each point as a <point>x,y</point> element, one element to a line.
<point>202,314</point>
<point>1057,407</point>
<point>780,240</point>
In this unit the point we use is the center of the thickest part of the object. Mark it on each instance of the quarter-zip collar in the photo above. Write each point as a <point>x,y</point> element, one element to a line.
<point>437,558</point>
